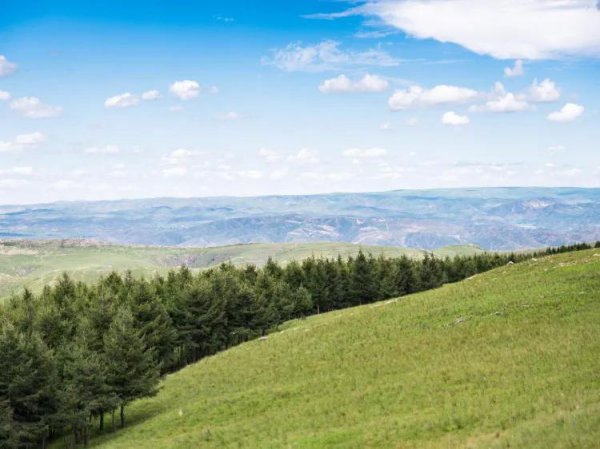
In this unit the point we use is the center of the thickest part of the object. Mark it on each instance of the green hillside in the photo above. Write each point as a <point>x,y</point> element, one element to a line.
<point>35,264</point>
<point>509,358</point>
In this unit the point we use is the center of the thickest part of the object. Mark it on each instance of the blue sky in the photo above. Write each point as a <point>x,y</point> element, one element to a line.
<point>196,98</point>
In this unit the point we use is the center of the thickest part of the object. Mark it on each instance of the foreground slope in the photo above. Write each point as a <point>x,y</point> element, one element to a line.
<point>509,358</point>
<point>34,264</point>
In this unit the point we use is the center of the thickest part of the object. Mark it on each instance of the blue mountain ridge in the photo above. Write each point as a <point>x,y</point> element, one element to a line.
<point>492,218</point>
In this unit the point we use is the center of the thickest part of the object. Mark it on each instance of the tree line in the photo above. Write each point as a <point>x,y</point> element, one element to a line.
<point>76,354</point>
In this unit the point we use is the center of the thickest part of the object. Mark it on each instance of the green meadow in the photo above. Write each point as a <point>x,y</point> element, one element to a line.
<point>505,359</point>
<point>35,264</point>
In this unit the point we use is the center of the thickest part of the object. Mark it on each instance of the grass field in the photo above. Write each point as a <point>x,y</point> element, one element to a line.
<point>35,264</point>
<point>510,358</point>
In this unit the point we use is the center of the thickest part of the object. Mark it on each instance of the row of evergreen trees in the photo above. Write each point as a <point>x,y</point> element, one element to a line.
<point>76,354</point>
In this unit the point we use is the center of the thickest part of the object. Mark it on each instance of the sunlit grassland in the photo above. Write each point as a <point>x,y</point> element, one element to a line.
<point>33,265</point>
<point>509,358</point>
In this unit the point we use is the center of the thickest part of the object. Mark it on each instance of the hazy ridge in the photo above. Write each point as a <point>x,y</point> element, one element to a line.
<point>492,218</point>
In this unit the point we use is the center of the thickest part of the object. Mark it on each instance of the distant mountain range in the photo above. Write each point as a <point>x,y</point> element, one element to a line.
<point>492,218</point>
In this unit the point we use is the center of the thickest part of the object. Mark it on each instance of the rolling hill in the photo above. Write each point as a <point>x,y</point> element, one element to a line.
<point>492,218</point>
<point>34,264</point>
<point>509,358</point>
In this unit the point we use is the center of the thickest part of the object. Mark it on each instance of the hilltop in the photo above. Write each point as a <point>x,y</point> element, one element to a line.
<point>508,358</point>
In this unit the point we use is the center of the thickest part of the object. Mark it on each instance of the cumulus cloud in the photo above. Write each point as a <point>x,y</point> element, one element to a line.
<point>365,153</point>
<point>180,156</point>
<point>107,149</point>
<point>515,70</point>
<point>503,101</point>
<point>269,155</point>
<point>567,113</point>
<point>6,67</point>
<point>4,96</point>
<point>151,95</point>
<point>326,55</point>
<point>454,119</point>
<point>124,100</point>
<point>185,89</point>
<point>544,92</point>
<point>507,29</point>
<point>305,156</point>
<point>23,141</point>
<point>343,84</point>
<point>416,96</point>
<point>32,107</point>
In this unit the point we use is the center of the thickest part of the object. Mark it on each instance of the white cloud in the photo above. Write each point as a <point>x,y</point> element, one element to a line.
<point>32,107</point>
<point>341,83</point>
<point>305,156</point>
<point>124,100</point>
<point>23,141</point>
<point>416,96</point>
<point>365,153</point>
<point>30,139</point>
<point>269,155</point>
<point>544,92</point>
<point>176,171</point>
<point>180,156</point>
<point>185,89</point>
<point>151,95</point>
<point>454,119</point>
<point>568,113</point>
<point>326,55</point>
<point>503,101</point>
<point>507,29</point>
<point>108,149</point>
<point>4,96</point>
<point>515,70</point>
<point>6,67</point>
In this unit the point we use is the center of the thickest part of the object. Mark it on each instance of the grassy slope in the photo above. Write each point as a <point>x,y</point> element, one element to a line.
<point>509,358</point>
<point>33,266</point>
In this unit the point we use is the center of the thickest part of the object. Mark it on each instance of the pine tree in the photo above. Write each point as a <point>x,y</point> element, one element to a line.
<point>364,288</point>
<point>8,434</point>
<point>85,391</point>
<point>27,384</point>
<point>131,371</point>
<point>154,323</point>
